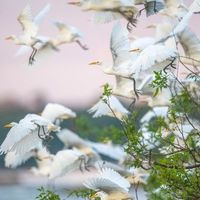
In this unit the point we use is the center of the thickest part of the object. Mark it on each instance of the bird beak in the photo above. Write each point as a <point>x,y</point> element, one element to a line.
<point>64,116</point>
<point>76,3</point>
<point>94,63</point>
<point>151,26</point>
<point>8,125</point>
<point>134,50</point>
<point>8,38</point>
<point>52,127</point>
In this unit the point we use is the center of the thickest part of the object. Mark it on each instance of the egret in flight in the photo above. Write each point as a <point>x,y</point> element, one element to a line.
<point>31,132</point>
<point>30,29</point>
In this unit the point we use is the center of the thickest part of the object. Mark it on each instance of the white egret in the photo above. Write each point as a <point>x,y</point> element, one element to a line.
<point>193,8</point>
<point>30,29</point>
<point>157,111</point>
<point>28,134</point>
<point>67,34</point>
<point>109,185</point>
<point>57,112</point>
<point>107,11</point>
<point>191,46</point>
<point>66,161</point>
<point>112,107</point>
<point>153,57</point>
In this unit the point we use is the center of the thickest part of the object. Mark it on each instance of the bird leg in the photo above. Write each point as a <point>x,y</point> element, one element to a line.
<point>31,58</point>
<point>140,12</point>
<point>154,7</point>
<point>83,164</point>
<point>171,64</point>
<point>84,47</point>
<point>129,15</point>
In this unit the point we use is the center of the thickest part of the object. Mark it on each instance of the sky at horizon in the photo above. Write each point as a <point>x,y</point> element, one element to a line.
<point>64,77</point>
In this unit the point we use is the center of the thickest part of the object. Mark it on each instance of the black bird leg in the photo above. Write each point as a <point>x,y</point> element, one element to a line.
<point>154,7</point>
<point>31,58</point>
<point>84,47</point>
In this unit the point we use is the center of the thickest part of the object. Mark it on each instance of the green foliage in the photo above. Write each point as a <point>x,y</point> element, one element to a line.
<point>45,194</point>
<point>107,91</point>
<point>99,129</point>
<point>85,193</point>
<point>160,82</point>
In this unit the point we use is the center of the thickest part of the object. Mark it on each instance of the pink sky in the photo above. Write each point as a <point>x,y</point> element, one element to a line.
<point>65,76</point>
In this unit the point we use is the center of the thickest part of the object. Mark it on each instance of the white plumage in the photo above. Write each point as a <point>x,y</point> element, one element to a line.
<point>66,161</point>
<point>30,29</point>
<point>112,108</point>
<point>53,112</point>
<point>27,134</point>
<point>108,180</point>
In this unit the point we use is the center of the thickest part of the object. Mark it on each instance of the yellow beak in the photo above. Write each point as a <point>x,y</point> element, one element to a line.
<point>94,63</point>
<point>76,3</point>
<point>134,50</point>
<point>8,38</point>
<point>8,125</point>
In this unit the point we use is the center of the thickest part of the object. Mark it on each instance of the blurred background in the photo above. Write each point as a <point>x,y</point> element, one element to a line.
<point>65,77</point>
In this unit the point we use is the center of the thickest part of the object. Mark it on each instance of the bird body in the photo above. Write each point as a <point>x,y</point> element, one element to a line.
<point>112,108</point>
<point>27,134</point>
<point>66,161</point>
<point>54,111</point>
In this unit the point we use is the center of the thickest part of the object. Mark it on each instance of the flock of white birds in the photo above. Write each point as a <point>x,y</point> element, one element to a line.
<point>134,61</point>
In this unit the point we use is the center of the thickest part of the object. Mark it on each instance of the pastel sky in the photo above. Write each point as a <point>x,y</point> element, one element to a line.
<point>65,76</point>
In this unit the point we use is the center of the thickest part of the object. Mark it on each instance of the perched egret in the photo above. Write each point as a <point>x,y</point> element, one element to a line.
<point>57,112</point>
<point>107,11</point>
<point>112,107</point>
<point>28,134</point>
<point>30,29</point>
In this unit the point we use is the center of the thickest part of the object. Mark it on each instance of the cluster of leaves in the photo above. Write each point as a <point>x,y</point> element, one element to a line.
<point>45,194</point>
<point>85,193</point>
<point>160,81</point>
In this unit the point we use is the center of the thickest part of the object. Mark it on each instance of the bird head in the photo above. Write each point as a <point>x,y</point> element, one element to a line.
<point>95,63</point>
<point>151,26</point>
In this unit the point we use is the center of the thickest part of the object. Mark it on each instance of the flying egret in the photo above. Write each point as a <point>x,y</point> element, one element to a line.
<point>112,108</point>
<point>67,34</point>
<point>191,46</point>
<point>193,9</point>
<point>66,161</point>
<point>57,112</point>
<point>107,11</point>
<point>151,57</point>
<point>29,133</point>
<point>109,185</point>
<point>30,29</point>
